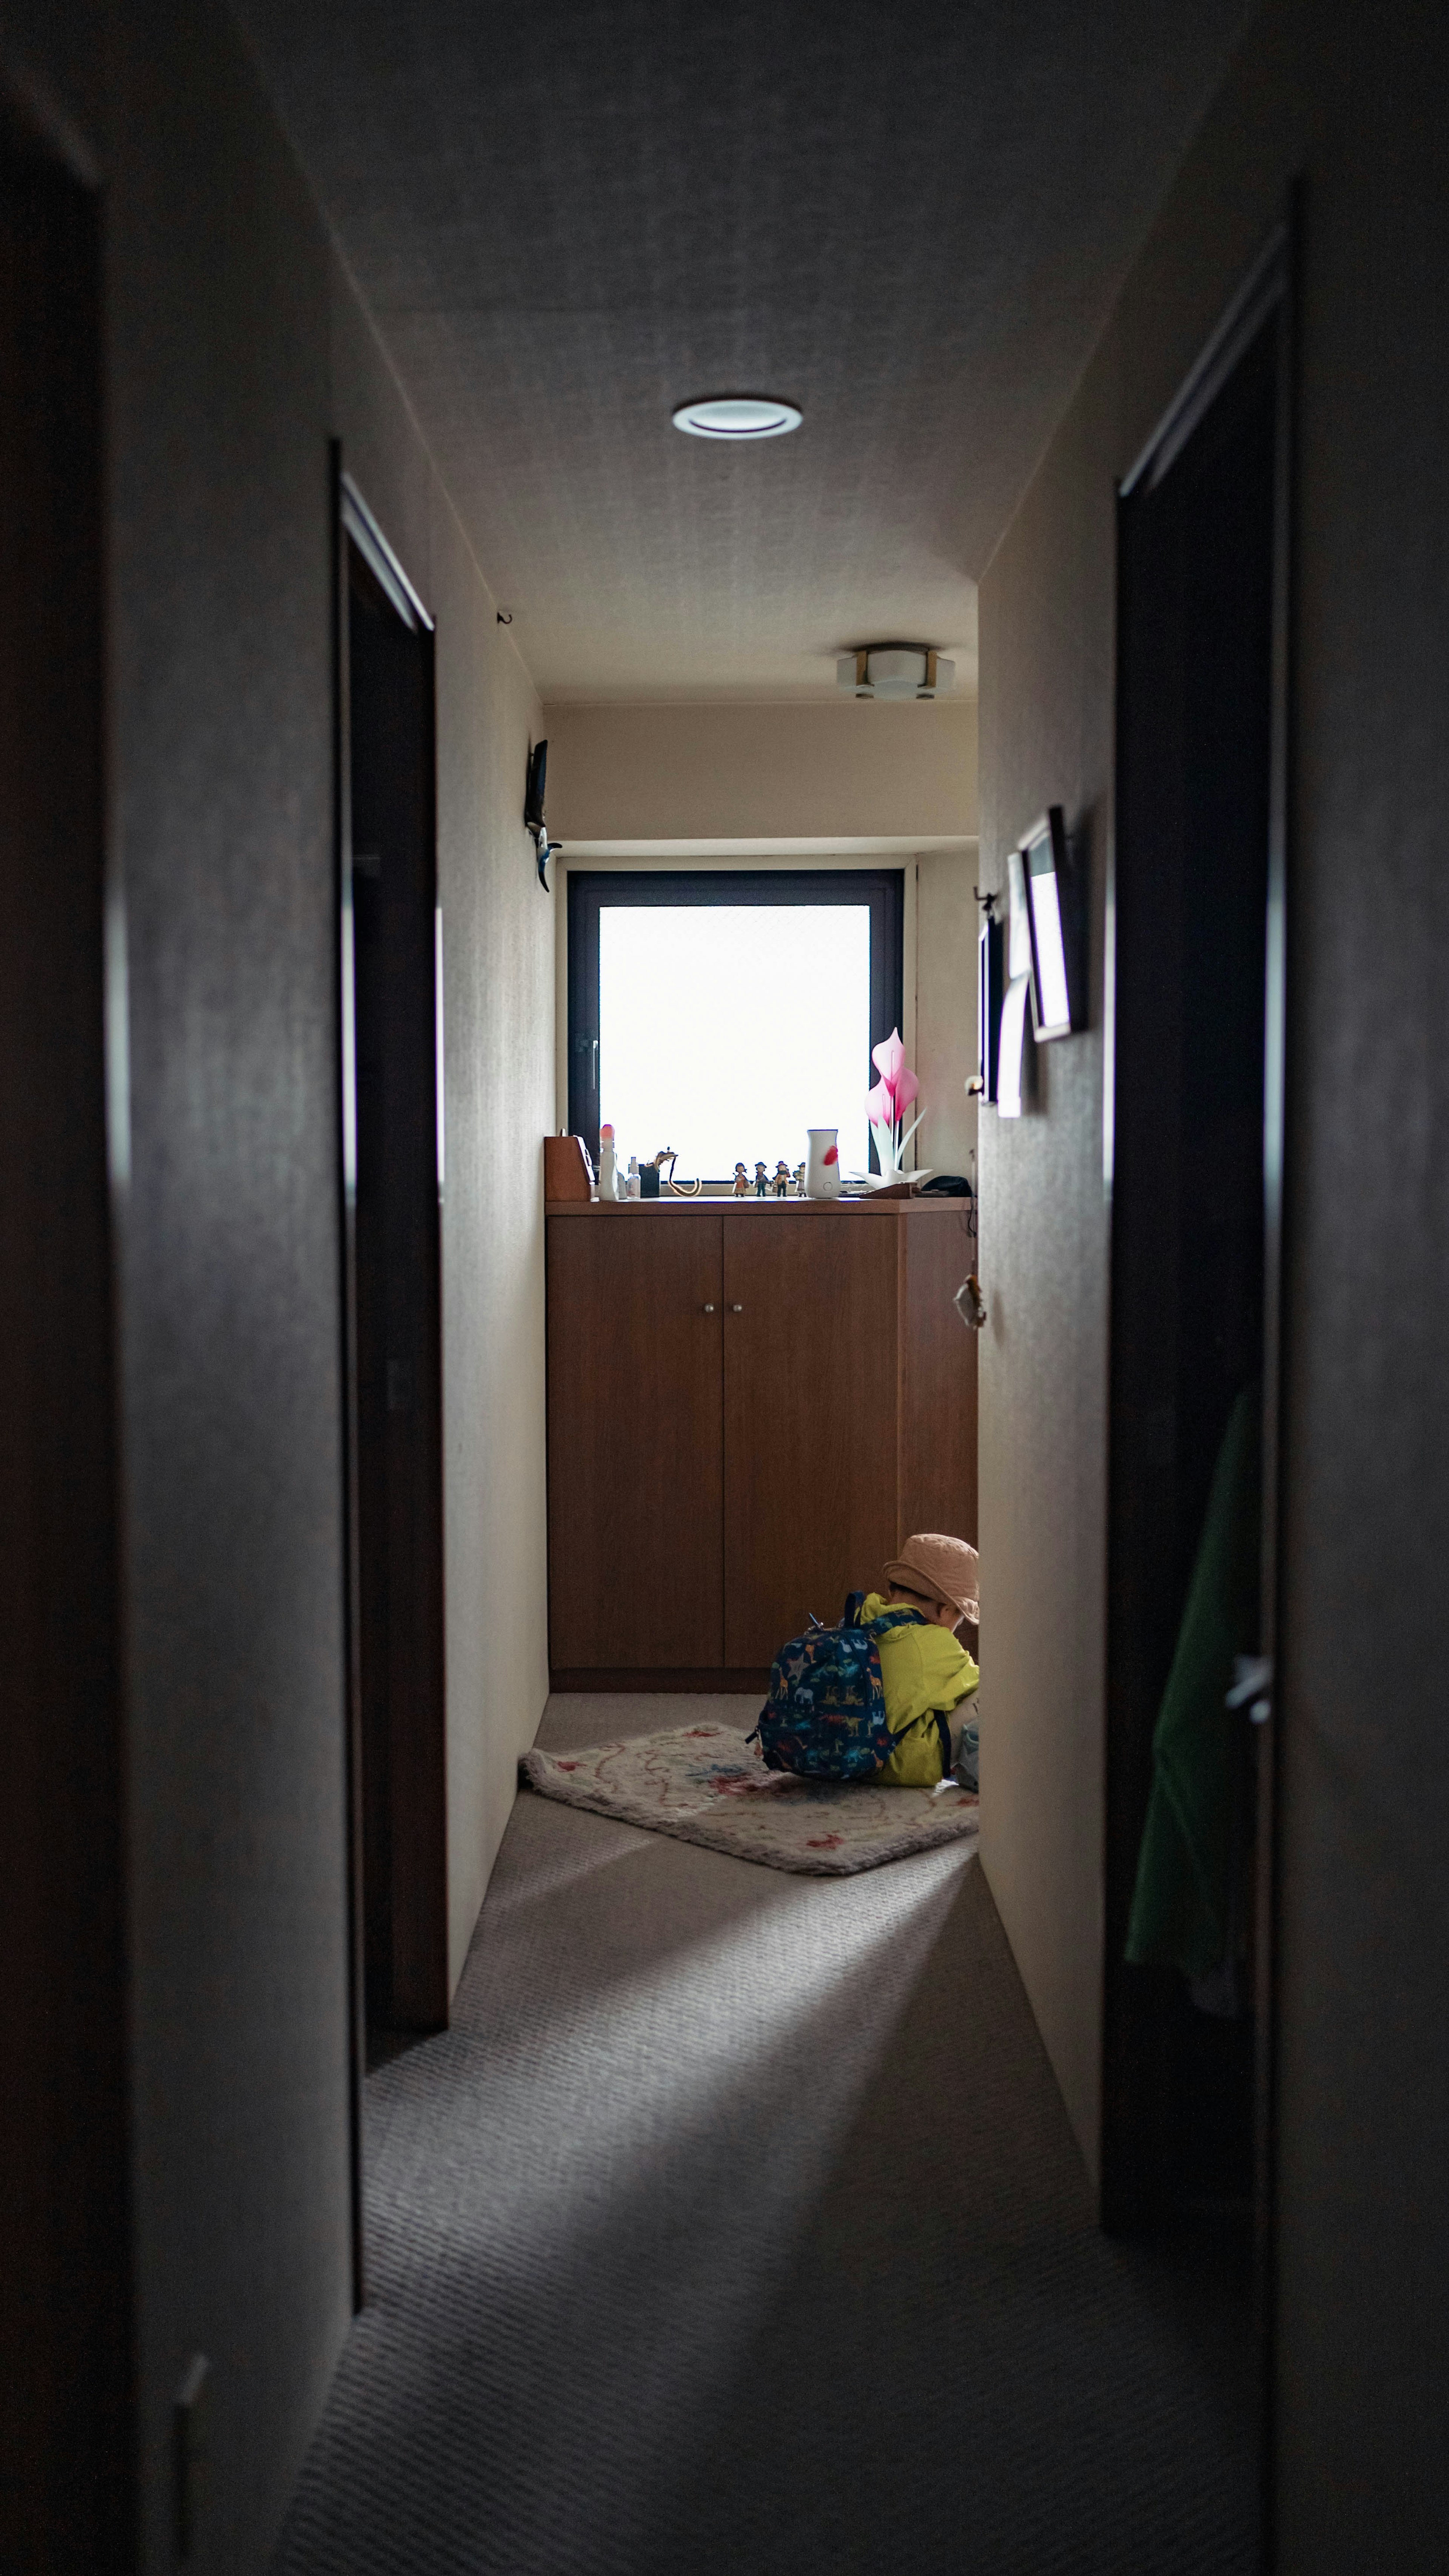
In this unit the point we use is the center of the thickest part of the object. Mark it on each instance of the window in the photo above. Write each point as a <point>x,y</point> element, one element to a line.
<point>725,1011</point>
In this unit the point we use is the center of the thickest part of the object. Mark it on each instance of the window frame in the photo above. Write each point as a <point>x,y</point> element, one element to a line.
<point>590,891</point>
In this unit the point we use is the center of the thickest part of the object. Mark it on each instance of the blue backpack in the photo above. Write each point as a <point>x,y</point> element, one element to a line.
<point>825,1717</point>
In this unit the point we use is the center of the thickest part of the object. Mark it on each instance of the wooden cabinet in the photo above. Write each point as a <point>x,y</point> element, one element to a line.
<point>810,1404</point>
<point>635,1441</point>
<point>750,1406</point>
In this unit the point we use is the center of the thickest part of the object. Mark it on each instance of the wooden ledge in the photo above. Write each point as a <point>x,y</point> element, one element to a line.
<point>753,1207</point>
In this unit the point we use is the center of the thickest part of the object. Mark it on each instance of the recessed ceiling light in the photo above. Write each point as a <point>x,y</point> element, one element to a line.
<point>737,416</point>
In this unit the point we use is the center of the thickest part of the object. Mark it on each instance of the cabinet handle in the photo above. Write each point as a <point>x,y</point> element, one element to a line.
<point>737,1310</point>
<point>709,1310</point>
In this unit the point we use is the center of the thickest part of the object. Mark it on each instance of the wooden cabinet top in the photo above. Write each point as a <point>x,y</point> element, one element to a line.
<point>773,1209</point>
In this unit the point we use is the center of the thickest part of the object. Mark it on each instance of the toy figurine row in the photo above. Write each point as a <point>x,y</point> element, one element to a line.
<point>780,1187</point>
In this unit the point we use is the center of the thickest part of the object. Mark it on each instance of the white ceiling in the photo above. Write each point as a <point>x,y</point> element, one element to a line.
<point>567,219</point>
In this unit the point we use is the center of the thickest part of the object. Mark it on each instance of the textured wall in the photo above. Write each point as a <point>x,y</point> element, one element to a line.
<point>1046,735</point>
<point>235,352</point>
<point>772,774</point>
<point>218,322</point>
<point>1346,98</point>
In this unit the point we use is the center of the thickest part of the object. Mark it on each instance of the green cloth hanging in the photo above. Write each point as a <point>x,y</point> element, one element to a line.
<point>1181,1901</point>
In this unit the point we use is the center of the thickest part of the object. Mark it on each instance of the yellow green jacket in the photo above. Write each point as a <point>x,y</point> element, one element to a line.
<point>923,1668</point>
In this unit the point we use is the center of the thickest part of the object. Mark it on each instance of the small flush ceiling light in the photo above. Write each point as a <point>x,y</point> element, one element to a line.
<point>894,671</point>
<point>738,416</point>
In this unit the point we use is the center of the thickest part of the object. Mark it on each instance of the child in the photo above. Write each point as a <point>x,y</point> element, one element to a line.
<point>925,1671</point>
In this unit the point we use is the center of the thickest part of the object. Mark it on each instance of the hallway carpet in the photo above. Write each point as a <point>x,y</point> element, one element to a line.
<point>736,2229</point>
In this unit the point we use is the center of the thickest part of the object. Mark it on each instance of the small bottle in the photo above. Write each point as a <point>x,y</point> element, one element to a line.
<point>633,1176</point>
<point>608,1169</point>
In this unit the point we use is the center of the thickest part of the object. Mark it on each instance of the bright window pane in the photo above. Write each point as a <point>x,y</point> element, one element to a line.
<point>726,1030</point>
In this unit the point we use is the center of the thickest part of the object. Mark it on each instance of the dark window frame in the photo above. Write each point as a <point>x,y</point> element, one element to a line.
<point>882,890</point>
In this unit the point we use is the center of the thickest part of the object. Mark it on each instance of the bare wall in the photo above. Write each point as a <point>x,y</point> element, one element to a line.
<point>1348,99</point>
<point>772,774</point>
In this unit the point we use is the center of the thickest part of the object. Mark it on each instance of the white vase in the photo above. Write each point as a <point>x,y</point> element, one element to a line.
<point>822,1168</point>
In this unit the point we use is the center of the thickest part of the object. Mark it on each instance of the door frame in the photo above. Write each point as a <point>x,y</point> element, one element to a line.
<point>353,523</point>
<point>67,2292</point>
<point>1267,298</point>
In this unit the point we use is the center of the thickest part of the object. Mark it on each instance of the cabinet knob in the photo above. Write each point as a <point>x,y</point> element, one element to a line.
<point>737,1310</point>
<point>709,1310</point>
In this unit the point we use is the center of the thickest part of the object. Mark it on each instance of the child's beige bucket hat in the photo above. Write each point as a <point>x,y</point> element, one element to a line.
<point>943,1569</point>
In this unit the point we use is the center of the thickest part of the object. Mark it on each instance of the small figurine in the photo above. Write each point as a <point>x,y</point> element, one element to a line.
<point>762,1186</point>
<point>781,1182</point>
<point>742,1186</point>
<point>799,1180</point>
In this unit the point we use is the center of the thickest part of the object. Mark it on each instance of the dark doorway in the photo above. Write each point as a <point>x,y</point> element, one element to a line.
<point>1195,1175</point>
<point>392,949</point>
<point>67,2498</point>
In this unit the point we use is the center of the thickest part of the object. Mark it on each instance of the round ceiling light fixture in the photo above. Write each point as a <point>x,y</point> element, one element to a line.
<point>736,416</point>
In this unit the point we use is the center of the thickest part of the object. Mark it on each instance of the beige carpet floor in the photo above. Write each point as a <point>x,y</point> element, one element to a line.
<point>736,2229</point>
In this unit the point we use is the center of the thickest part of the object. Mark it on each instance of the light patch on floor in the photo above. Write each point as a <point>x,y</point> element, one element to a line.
<point>736,2226</point>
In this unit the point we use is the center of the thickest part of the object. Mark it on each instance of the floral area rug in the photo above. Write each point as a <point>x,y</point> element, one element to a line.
<point>707,1784</point>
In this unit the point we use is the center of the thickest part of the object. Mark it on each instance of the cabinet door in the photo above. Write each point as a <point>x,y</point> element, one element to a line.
<point>938,1374</point>
<point>810,1418</point>
<point>635,1443</point>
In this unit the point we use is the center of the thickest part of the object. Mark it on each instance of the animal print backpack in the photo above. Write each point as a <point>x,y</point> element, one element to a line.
<point>825,1717</point>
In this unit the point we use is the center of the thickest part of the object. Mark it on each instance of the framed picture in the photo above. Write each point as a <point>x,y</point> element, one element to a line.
<point>1049,916</point>
<point>990,990</point>
<point>1018,917</point>
<point>1011,1061</point>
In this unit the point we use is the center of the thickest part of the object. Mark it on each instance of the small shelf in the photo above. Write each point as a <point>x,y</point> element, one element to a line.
<point>753,1207</point>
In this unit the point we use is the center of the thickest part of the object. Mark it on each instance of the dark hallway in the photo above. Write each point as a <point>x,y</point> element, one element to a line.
<point>748,404</point>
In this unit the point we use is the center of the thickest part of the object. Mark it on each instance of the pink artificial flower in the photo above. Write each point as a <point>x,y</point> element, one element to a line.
<point>896,1075</point>
<point>889,1057</point>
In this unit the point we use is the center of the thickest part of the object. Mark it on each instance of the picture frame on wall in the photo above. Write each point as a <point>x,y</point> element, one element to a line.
<point>1049,917</point>
<point>1012,1056</point>
<point>990,993</point>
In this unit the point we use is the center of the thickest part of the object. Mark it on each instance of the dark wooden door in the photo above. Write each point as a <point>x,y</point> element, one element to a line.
<point>67,2500</point>
<point>938,1372</point>
<point>635,1445</point>
<point>1193,1320</point>
<point>810,1411</point>
<point>398,1307</point>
